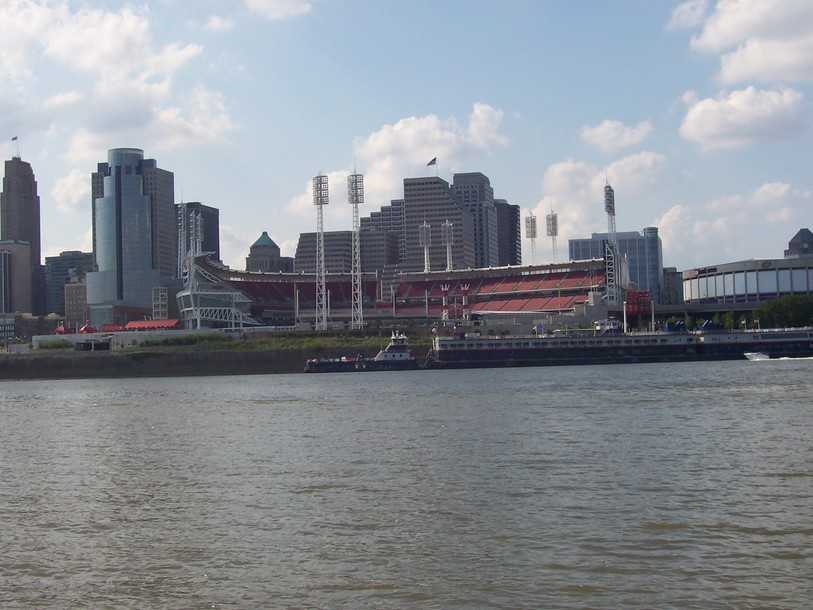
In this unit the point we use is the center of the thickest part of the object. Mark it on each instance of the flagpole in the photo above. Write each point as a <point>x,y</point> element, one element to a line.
<point>17,142</point>
<point>434,162</point>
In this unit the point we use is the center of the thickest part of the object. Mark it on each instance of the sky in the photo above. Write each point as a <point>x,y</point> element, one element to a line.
<point>698,113</point>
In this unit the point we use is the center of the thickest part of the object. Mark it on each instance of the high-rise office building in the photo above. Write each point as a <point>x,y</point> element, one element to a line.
<point>475,193</point>
<point>143,176</point>
<point>68,267</point>
<point>509,236</point>
<point>642,251</point>
<point>430,201</point>
<point>134,231</point>
<point>389,218</point>
<point>210,226</point>
<point>264,255</point>
<point>20,221</point>
<point>377,249</point>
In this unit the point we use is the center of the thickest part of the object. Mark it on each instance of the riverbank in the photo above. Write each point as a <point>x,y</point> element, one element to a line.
<point>162,363</point>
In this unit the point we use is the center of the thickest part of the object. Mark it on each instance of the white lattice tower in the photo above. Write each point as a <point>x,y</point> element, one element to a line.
<point>444,290</point>
<point>552,222</point>
<point>425,240</point>
<point>355,196</point>
<point>196,233</point>
<point>611,247</point>
<point>320,199</point>
<point>448,239</point>
<point>182,242</point>
<point>530,233</point>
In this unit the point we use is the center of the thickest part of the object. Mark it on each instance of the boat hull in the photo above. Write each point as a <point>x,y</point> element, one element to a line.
<point>355,366</point>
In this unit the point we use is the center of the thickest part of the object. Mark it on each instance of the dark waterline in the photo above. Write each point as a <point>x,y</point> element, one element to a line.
<point>640,486</point>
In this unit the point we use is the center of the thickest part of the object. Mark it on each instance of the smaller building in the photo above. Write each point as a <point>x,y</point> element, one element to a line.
<point>800,245</point>
<point>76,304</point>
<point>15,276</point>
<point>642,252</point>
<point>264,256</point>
<point>509,236</point>
<point>69,267</point>
<point>748,281</point>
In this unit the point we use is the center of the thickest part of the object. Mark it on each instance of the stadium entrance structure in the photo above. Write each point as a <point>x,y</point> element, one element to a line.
<point>205,298</point>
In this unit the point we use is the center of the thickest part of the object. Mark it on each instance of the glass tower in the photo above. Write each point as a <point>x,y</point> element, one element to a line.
<point>127,268</point>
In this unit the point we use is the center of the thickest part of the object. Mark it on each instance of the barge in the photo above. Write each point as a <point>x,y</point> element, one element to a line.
<point>470,350</point>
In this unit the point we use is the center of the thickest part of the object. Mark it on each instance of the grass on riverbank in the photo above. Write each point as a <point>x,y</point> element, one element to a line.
<point>315,343</point>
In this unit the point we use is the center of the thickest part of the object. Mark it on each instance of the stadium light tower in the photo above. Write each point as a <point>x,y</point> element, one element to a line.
<point>530,233</point>
<point>425,240</point>
<point>552,221</point>
<point>611,247</point>
<point>448,239</point>
<point>320,199</point>
<point>355,196</point>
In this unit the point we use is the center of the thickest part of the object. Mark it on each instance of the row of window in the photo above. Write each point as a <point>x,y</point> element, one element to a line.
<point>562,343</point>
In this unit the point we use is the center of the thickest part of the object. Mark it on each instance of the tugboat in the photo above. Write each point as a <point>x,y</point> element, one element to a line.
<point>396,356</point>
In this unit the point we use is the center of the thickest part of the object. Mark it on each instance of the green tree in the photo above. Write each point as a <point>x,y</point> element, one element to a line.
<point>790,310</point>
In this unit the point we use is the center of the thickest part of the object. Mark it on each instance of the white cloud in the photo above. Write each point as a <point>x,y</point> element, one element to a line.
<point>207,120</point>
<point>743,117</point>
<point>638,172</point>
<point>710,232</point>
<point>86,146</point>
<point>569,190</point>
<point>25,24</point>
<point>113,46</point>
<point>401,150</point>
<point>132,95</point>
<point>71,191</point>
<point>613,135</point>
<point>688,15</point>
<point>483,130</point>
<point>234,245</point>
<point>785,60</point>
<point>575,190</point>
<point>215,23</point>
<point>764,40</point>
<point>66,98</point>
<point>279,9</point>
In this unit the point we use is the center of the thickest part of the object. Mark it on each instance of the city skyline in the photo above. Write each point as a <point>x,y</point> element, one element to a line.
<point>696,112</point>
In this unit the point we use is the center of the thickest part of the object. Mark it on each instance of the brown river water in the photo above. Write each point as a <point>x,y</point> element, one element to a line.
<point>628,486</point>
